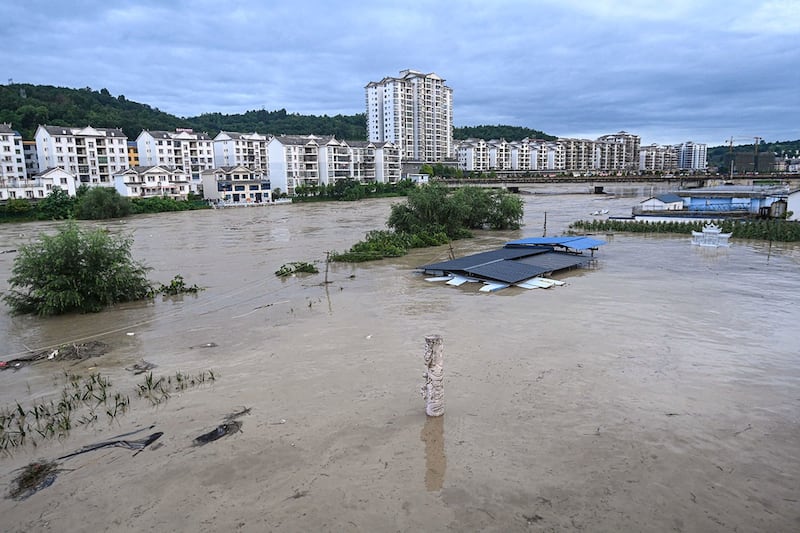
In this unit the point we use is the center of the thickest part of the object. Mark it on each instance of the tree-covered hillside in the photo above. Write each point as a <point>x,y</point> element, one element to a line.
<point>717,155</point>
<point>26,106</point>
<point>509,133</point>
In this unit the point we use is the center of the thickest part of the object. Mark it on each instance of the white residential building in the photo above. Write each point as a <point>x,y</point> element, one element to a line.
<point>153,181</point>
<point>658,158</point>
<point>579,154</point>
<point>692,156</point>
<point>246,149</point>
<point>237,184</point>
<point>387,162</point>
<point>499,154</point>
<point>12,156</point>
<point>31,158</point>
<point>294,161</point>
<point>93,155</point>
<point>473,155</point>
<point>183,149</point>
<point>39,186</point>
<point>627,155</point>
<point>335,161</point>
<point>414,112</point>
<point>477,155</point>
<point>310,160</point>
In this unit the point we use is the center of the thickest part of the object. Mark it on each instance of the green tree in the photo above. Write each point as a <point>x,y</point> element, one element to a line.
<point>58,205</point>
<point>100,203</point>
<point>505,212</point>
<point>18,206</point>
<point>75,270</point>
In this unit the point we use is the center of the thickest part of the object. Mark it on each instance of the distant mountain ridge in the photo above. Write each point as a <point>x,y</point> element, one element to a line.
<point>25,106</point>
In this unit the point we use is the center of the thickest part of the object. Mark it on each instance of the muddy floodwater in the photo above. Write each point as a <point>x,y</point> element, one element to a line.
<point>658,390</point>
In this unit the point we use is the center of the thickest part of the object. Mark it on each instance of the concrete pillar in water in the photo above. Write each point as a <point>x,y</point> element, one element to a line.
<point>433,390</point>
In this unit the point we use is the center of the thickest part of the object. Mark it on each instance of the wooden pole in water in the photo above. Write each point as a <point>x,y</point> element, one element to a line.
<point>433,389</point>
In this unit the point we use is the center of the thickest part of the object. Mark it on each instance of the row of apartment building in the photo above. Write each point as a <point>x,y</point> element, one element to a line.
<point>175,163</point>
<point>619,152</point>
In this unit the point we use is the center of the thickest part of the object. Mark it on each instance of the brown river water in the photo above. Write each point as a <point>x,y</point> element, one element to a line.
<point>657,390</point>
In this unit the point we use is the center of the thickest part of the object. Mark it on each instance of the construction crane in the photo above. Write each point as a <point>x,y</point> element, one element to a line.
<point>756,140</point>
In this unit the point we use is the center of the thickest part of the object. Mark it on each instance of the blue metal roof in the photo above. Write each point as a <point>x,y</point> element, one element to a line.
<point>575,243</point>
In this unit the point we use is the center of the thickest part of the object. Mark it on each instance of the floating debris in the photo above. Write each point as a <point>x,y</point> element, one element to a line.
<point>228,427</point>
<point>65,352</point>
<point>35,476</point>
<point>137,445</point>
<point>141,367</point>
<point>222,430</point>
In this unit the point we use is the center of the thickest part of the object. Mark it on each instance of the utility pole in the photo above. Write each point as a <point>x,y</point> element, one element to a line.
<point>755,154</point>
<point>730,152</point>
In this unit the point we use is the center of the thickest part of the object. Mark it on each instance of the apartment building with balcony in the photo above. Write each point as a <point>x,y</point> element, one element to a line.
<point>626,153</point>
<point>579,155</point>
<point>183,149</point>
<point>657,158</point>
<point>237,184</point>
<point>31,158</point>
<point>294,161</point>
<point>38,186</point>
<point>414,112</point>
<point>477,155</point>
<point>473,155</point>
<point>93,155</point>
<point>133,154</point>
<point>387,162</point>
<point>499,152</point>
<point>335,161</point>
<point>12,155</point>
<point>245,149</point>
<point>692,156</point>
<point>153,181</point>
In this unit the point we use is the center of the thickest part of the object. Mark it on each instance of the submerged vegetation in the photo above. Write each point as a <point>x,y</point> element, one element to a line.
<point>84,401</point>
<point>295,267</point>
<point>81,402</point>
<point>351,190</point>
<point>159,389</point>
<point>75,270</point>
<point>768,230</point>
<point>434,215</point>
<point>95,203</point>
<point>80,270</point>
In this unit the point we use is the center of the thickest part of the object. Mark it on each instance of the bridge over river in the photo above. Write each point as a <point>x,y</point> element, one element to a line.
<point>617,184</point>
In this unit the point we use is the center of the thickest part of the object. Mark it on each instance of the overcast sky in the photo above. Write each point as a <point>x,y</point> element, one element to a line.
<point>669,71</point>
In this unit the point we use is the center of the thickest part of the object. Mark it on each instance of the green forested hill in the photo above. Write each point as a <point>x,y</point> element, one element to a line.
<point>717,155</point>
<point>26,106</point>
<point>509,133</point>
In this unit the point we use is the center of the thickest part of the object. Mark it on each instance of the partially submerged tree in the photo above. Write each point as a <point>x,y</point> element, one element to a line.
<point>75,270</point>
<point>57,205</point>
<point>434,208</point>
<point>102,202</point>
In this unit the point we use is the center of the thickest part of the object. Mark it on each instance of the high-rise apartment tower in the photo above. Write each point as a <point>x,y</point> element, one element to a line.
<point>414,112</point>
